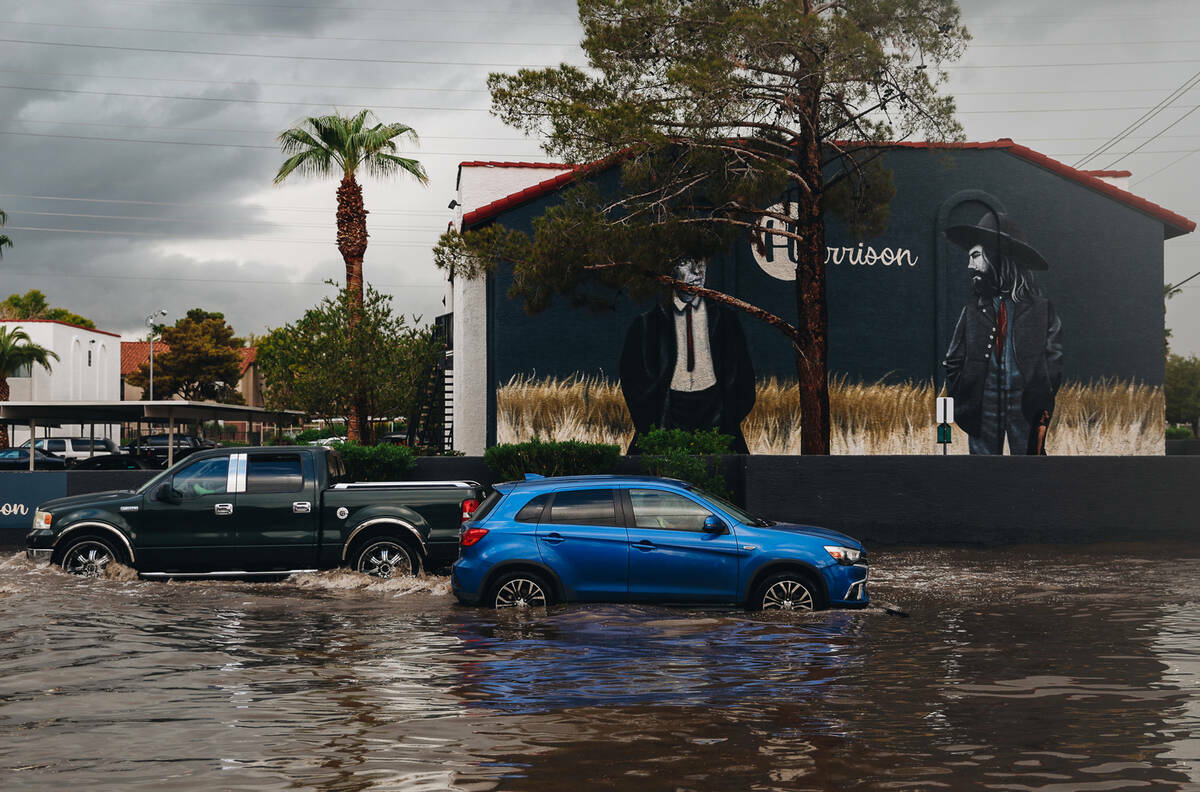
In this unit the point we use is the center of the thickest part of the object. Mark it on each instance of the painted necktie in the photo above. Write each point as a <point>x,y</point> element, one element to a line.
<point>691,347</point>
<point>1001,327</point>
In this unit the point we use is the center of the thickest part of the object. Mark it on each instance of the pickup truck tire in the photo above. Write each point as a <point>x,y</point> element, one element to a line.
<point>89,556</point>
<point>520,589</point>
<point>385,557</point>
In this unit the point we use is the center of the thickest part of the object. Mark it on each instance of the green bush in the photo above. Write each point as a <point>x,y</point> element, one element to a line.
<point>376,463</point>
<point>1179,433</point>
<point>570,458</point>
<point>308,435</point>
<point>680,454</point>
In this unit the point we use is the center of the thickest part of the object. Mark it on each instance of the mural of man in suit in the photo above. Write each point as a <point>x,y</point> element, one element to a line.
<point>685,365</point>
<point>1004,365</point>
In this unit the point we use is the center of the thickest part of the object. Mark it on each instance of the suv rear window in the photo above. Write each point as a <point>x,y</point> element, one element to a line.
<point>532,512</point>
<point>488,504</point>
<point>583,507</point>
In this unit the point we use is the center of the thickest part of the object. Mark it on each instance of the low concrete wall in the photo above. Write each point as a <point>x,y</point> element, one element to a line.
<point>927,500</point>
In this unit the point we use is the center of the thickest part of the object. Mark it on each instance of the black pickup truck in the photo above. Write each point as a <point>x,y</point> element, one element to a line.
<point>234,512</point>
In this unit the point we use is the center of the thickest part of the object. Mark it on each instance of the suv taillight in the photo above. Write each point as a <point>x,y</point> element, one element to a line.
<point>471,536</point>
<point>468,508</point>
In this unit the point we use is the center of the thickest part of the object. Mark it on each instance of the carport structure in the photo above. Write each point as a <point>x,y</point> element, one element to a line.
<point>35,414</point>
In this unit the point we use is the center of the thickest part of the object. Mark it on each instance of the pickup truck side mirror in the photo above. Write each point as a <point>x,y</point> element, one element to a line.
<point>713,525</point>
<point>166,493</point>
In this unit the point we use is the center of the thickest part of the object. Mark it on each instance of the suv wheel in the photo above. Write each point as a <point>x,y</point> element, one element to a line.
<point>386,557</point>
<point>520,590</point>
<point>785,591</point>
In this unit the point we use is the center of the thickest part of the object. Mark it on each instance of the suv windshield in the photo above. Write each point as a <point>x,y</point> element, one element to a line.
<point>737,513</point>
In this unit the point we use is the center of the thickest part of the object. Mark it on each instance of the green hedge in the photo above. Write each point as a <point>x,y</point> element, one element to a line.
<point>376,463</point>
<point>512,461</point>
<point>680,454</point>
<point>1179,433</point>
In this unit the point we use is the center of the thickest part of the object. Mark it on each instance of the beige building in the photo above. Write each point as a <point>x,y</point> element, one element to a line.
<point>136,353</point>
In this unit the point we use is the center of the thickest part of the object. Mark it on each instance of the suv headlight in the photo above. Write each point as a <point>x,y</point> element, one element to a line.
<point>41,519</point>
<point>843,555</point>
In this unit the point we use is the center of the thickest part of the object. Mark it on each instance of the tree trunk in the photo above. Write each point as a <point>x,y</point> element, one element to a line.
<point>811,344</point>
<point>352,243</point>
<point>4,427</point>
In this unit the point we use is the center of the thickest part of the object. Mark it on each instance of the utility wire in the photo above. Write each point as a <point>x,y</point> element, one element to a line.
<point>212,204</point>
<point>235,100</point>
<point>1151,138</point>
<point>1187,85</point>
<point>17,213</point>
<point>161,51</point>
<point>281,240</point>
<point>1168,166</point>
<point>173,279</point>
<point>1185,280</point>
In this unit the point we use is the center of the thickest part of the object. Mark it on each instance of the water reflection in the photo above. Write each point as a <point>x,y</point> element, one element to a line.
<point>1019,669</point>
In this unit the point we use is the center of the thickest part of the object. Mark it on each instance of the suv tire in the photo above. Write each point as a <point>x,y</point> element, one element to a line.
<point>520,589</point>
<point>786,591</point>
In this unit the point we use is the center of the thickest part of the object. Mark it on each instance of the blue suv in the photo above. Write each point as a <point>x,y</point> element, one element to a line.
<point>645,539</point>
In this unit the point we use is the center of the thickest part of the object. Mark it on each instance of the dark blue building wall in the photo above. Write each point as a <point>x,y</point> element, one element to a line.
<point>895,322</point>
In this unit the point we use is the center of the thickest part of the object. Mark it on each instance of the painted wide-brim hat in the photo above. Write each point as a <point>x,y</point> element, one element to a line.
<point>995,231</point>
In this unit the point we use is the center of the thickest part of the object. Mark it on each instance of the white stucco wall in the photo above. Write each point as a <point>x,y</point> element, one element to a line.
<point>478,186</point>
<point>73,377</point>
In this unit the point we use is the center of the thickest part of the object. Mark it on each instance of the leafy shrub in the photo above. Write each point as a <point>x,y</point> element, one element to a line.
<point>1179,433</point>
<point>568,458</point>
<point>678,453</point>
<point>308,435</point>
<point>376,463</point>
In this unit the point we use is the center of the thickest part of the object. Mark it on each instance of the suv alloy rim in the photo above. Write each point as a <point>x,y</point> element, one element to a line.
<point>88,559</point>
<point>520,593</point>
<point>787,595</point>
<point>385,560</point>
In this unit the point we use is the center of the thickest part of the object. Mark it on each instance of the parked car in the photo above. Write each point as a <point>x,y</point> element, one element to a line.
<point>327,441</point>
<point>233,512</point>
<point>154,447</point>
<point>74,447</point>
<point>115,462</point>
<point>18,459</point>
<point>646,539</point>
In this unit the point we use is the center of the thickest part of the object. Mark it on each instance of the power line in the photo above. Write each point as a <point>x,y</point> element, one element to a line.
<point>319,38</point>
<point>239,282</point>
<point>236,100</point>
<point>1166,102</point>
<point>1056,110</point>
<point>162,51</point>
<point>211,204</point>
<point>19,212</point>
<point>340,9</point>
<point>1151,138</point>
<point>254,83</point>
<point>1168,166</point>
<point>206,238</point>
<point>474,154</point>
<point>1058,65</point>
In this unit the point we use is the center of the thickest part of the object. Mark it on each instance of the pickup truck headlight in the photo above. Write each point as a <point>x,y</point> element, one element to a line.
<point>843,555</point>
<point>41,519</point>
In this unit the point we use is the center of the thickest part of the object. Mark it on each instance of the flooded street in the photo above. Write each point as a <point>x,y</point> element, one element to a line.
<point>1047,668</point>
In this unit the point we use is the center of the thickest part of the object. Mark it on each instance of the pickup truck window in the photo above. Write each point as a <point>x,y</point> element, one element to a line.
<point>274,473</point>
<point>583,507</point>
<point>206,477</point>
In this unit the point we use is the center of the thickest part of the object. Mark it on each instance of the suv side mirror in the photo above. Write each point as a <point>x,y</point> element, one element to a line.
<point>166,493</point>
<point>713,525</point>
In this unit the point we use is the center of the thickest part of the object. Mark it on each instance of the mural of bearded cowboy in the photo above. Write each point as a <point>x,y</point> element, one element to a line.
<point>1004,365</point>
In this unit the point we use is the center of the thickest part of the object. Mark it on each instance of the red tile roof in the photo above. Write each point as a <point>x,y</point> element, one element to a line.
<point>64,324</point>
<point>1112,174</point>
<point>135,353</point>
<point>494,164</point>
<point>1174,224</point>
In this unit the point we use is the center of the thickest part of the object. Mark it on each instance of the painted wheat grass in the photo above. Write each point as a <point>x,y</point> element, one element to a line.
<point>1107,417</point>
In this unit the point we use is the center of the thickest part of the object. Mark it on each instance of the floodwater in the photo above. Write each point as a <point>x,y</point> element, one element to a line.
<point>1047,668</point>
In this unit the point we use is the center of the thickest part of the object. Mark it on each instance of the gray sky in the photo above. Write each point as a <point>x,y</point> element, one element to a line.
<point>151,161</point>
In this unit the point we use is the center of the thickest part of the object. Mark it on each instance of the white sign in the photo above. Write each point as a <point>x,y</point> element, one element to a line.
<point>778,257</point>
<point>945,410</point>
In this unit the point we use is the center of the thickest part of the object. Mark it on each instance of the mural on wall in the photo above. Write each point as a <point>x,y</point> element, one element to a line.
<point>685,365</point>
<point>1004,365</point>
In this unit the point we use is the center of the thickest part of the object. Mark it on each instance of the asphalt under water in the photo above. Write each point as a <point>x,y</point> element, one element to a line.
<point>1044,668</point>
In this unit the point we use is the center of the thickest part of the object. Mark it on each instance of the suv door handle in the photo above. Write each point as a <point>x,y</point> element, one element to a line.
<point>223,509</point>
<point>552,538</point>
<point>645,544</point>
<point>301,507</point>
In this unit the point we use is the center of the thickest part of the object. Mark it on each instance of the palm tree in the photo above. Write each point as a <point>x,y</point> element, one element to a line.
<point>17,351</point>
<point>4,241</point>
<point>327,145</point>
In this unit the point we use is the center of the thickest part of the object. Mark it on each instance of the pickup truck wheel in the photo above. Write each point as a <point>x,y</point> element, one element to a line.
<point>88,556</point>
<point>385,558</point>
<point>520,590</point>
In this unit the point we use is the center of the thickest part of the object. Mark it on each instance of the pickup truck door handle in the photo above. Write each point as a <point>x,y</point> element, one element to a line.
<point>301,507</point>
<point>223,509</point>
<point>552,538</point>
<point>645,544</point>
